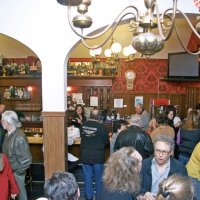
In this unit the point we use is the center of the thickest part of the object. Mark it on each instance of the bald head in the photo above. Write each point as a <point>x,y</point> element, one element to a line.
<point>94,114</point>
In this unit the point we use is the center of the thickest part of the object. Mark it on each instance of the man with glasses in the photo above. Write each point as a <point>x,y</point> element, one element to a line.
<point>161,166</point>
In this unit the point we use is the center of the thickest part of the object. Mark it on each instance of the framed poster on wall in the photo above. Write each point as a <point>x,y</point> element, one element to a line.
<point>138,99</point>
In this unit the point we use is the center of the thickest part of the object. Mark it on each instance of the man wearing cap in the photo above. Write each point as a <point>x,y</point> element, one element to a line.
<point>134,136</point>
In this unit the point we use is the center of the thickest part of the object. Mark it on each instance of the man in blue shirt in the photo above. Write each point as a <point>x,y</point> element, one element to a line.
<point>159,167</point>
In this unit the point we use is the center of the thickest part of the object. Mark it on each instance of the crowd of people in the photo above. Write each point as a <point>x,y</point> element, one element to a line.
<point>150,159</point>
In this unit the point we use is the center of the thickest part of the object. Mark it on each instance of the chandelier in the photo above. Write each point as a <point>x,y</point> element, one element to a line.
<point>141,25</point>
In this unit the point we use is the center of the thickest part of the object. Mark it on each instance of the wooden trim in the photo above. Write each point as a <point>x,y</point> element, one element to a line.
<point>55,141</point>
<point>89,82</point>
<point>53,114</point>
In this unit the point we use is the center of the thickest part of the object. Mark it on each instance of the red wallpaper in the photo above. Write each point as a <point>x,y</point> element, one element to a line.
<point>149,72</point>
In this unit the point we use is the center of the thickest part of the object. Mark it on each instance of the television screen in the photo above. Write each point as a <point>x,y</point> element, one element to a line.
<point>183,65</point>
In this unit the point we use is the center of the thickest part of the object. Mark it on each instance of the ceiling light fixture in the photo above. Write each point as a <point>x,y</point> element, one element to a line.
<point>145,42</point>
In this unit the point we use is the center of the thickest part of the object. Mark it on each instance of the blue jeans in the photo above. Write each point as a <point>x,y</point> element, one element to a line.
<point>183,159</point>
<point>93,172</point>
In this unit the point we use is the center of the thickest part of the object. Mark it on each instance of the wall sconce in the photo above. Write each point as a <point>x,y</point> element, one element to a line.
<point>29,90</point>
<point>129,52</point>
<point>95,53</point>
<point>69,89</point>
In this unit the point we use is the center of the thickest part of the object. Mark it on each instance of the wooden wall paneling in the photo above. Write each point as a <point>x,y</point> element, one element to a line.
<point>129,101</point>
<point>55,140</point>
<point>108,98</point>
<point>88,97</point>
<point>101,98</point>
<point>192,97</point>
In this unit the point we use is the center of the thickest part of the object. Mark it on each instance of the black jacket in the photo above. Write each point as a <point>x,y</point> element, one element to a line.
<point>94,138</point>
<point>137,138</point>
<point>188,140</point>
<point>146,175</point>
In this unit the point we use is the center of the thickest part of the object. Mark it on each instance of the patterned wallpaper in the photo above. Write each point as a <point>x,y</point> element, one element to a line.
<point>149,72</point>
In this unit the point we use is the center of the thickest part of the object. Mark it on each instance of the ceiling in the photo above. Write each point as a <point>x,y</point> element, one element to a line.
<point>123,36</point>
<point>11,48</point>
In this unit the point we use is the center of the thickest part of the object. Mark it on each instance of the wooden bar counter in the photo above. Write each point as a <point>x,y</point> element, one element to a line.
<point>36,144</point>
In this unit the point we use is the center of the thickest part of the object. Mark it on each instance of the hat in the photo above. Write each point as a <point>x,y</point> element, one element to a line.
<point>176,120</point>
<point>135,120</point>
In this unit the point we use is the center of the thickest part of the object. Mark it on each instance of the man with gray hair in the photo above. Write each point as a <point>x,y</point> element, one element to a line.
<point>62,186</point>
<point>135,137</point>
<point>139,109</point>
<point>156,169</point>
<point>16,148</point>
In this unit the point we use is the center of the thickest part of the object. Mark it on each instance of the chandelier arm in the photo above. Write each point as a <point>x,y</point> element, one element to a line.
<point>189,23</point>
<point>184,47</point>
<point>107,27</point>
<point>109,36</point>
<point>172,20</point>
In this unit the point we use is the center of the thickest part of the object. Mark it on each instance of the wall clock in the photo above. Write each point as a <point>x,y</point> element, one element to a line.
<point>130,76</point>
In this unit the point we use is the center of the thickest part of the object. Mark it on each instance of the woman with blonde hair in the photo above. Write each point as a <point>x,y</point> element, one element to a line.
<point>175,187</point>
<point>122,175</point>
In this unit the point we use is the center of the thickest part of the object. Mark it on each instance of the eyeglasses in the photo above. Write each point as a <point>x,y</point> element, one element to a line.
<point>158,151</point>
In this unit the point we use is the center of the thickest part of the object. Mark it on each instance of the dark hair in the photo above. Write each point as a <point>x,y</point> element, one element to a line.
<point>61,186</point>
<point>83,110</point>
<point>162,118</point>
<point>117,125</point>
<point>170,108</point>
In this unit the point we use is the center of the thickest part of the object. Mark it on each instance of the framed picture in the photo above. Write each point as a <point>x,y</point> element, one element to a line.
<point>94,101</point>
<point>118,103</point>
<point>138,99</point>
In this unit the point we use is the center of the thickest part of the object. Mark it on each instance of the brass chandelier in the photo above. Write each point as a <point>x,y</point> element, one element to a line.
<point>143,41</point>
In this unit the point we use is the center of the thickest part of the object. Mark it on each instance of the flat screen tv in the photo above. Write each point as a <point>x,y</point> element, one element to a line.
<point>183,65</point>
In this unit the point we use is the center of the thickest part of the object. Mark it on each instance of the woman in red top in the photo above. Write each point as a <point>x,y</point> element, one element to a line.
<point>8,185</point>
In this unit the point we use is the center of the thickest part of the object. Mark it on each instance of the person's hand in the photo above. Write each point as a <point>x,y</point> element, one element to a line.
<point>140,197</point>
<point>13,196</point>
<point>149,196</point>
<point>78,120</point>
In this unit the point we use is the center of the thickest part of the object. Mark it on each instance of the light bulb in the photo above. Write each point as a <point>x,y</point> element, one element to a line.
<point>108,53</point>
<point>116,47</point>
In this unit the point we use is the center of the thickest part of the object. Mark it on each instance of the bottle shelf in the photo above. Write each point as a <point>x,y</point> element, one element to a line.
<point>16,99</point>
<point>28,110</point>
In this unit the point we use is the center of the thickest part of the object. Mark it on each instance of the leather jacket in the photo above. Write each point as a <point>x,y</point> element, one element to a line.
<point>137,138</point>
<point>16,148</point>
